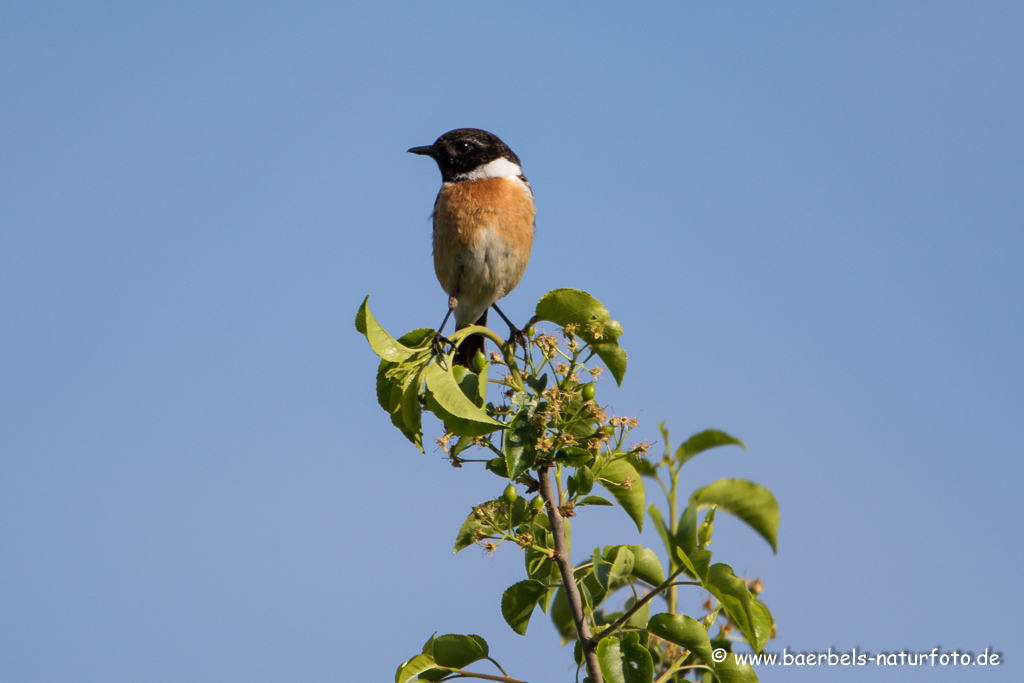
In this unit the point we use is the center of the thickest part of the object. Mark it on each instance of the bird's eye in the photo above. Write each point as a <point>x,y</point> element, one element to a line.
<point>461,147</point>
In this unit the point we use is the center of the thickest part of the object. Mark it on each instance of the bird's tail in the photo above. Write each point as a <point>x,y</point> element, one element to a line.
<point>470,345</point>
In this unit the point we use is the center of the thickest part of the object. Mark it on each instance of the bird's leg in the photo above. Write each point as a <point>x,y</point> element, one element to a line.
<point>441,341</point>
<point>516,335</point>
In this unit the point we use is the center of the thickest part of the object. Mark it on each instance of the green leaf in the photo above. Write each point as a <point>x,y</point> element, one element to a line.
<point>385,384</point>
<point>584,481</point>
<point>469,382</point>
<point>625,660</point>
<point>684,631</point>
<point>622,565</point>
<point>565,306</point>
<point>428,647</point>
<point>731,591</point>
<point>752,503</point>
<point>664,435</point>
<point>399,384</point>
<point>689,633</point>
<point>561,616</point>
<point>698,562</point>
<point>538,384</point>
<point>762,623</point>
<point>612,564</point>
<point>412,411</point>
<point>498,467</point>
<point>640,617</point>
<point>573,306</point>
<point>489,519</point>
<point>698,443</point>
<point>521,438</point>
<point>382,343</point>
<point>573,456</point>
<point>390,393</point>
<point>446,400</point>
<point>593,500</point>
<point>471,531</point>
<point>646,565</point>
<point>538,564</point>
<point>622,481</point>
<point>419,667</point>
<point>519,601</point>
<point>686,531</point>
<point>541,568</point>
<point>645,468</point>
<point>709,619</point>
<point>458,651</point>
<point>608,350</point>
<point>461,444</point>
<point>732,671</point>
<point>663,532</point>
<point>419,339</point>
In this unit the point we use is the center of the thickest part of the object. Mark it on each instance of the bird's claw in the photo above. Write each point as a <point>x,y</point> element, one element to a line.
<point>515,337</point>
<point>518,336</point>
<point>441,344</point>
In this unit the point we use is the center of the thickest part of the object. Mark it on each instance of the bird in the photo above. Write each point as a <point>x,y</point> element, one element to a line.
<point>483,225</point>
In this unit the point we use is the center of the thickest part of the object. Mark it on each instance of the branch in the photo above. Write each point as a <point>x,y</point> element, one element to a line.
<point>459,673</point>
<point>637,606</point>
<point>572,592</point>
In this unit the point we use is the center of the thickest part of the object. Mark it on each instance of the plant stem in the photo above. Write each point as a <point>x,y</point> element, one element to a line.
<point>673,522</point>
<point>638,605</point>
<point>676,667</point>
<point>507,351</point>
<point>459,673</point>
<point>572,592</point>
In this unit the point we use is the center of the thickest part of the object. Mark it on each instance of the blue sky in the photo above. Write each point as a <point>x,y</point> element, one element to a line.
<point>808,219</point>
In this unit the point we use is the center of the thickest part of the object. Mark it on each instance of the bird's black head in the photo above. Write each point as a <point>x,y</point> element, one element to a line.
<point>461,152</point>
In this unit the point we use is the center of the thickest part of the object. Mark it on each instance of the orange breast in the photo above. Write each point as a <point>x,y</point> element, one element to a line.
<point>464,209</point>
<point>501,208</point>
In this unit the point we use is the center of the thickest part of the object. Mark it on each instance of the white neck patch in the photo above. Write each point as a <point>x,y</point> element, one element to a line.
<point>499,168</point>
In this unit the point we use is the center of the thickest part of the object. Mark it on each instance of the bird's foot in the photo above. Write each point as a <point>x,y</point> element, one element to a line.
<point>518,336</point>
<point>441,344</point>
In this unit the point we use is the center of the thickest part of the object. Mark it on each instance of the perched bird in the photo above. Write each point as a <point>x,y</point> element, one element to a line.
<point>483,229</point>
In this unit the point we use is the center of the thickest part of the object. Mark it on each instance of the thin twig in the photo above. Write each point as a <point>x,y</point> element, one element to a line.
<point>495,663</point>
<point>637,606</point>
<point>459,673</point>
<point>572,592</point>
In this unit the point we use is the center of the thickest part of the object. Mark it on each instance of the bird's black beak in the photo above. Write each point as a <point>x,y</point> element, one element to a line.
<point>425,151</point>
